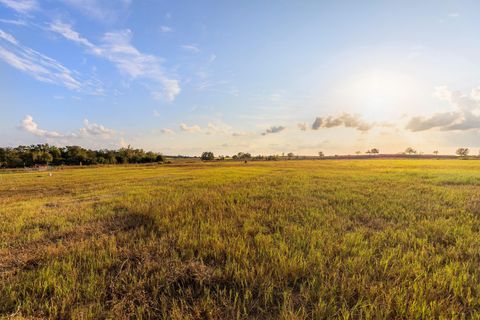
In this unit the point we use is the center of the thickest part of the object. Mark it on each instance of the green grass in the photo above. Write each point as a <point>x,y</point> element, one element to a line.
<point>262,240</point>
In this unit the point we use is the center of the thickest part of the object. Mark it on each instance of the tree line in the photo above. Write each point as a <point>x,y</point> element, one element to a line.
<point>44,154</point>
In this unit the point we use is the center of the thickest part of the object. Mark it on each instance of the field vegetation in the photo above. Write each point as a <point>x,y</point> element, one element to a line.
<point>231,240</point>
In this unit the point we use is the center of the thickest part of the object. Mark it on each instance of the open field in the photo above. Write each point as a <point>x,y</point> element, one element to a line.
<point>262,240</point>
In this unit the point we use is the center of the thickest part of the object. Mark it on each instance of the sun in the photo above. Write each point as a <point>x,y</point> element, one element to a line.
<point>378,94</point>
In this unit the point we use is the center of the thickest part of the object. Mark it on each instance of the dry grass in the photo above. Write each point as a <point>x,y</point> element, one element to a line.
<point>264,240</point>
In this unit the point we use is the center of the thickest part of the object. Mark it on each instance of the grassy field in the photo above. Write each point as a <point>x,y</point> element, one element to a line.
<point>262,240</point>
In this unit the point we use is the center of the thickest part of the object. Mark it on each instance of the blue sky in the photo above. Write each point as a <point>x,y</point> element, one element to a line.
<point>266,77</point>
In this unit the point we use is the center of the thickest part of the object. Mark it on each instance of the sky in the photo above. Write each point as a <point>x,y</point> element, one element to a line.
<point>265,77</point>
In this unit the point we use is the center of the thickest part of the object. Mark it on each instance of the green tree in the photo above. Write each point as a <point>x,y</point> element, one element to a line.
<point>207,155</point>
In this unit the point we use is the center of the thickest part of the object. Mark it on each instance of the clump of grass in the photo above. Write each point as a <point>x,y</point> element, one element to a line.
<point>291,240</point>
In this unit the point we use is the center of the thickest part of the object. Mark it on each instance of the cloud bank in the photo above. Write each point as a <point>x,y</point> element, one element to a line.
<point>21,6</point>
<point>465,114</point>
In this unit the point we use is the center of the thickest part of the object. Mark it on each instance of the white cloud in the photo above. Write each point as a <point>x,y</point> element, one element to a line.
<point>193,128</point>
<point>21,6</point>
<point>212,128</point>
<point>93,129</point>
<point>31,126</point>
<point>117,48</point>
<point>167,131</point>
<point>191,47</point>
<point>475,93</point>
<point>165,29</point>
<point>170,90</point>
<point>89,133</point>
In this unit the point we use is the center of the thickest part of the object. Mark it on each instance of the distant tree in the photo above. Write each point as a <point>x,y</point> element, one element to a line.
<point>320,154</point>
<point>373,151</point>
<point>71,155</point>
<point>290,155</point>
<point>410,150</point>
<point>462,152</point>
<point>435,152</point>
<point>358,152</point>
<point>207,155</point>
<point>242,155</point>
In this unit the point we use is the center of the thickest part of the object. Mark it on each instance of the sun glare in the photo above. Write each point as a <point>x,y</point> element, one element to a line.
<point>378,94</point>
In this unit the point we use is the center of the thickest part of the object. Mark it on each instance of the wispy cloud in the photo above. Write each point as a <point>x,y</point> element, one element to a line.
<point>8,37</point>
<point>167,131</point>
<point>14,22</point>
<point>465,113</point>
<point>302,126</point>
<point>40,66</point>
<point>21,6</point>
<point>117,48</point>
<point>239,134</point>
<point>104,11</point>
<point>66,31</point>
<point>165,29</point>
<point>215,127</point>
<point>218,128</point>
<point>345,119</point>
<point>273,129</point>
<point>191,47</point>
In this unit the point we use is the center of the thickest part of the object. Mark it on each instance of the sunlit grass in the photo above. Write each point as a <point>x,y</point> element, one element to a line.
<point>287,239</point>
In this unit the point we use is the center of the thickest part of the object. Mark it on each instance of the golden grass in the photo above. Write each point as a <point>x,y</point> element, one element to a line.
<point>262,240</point>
